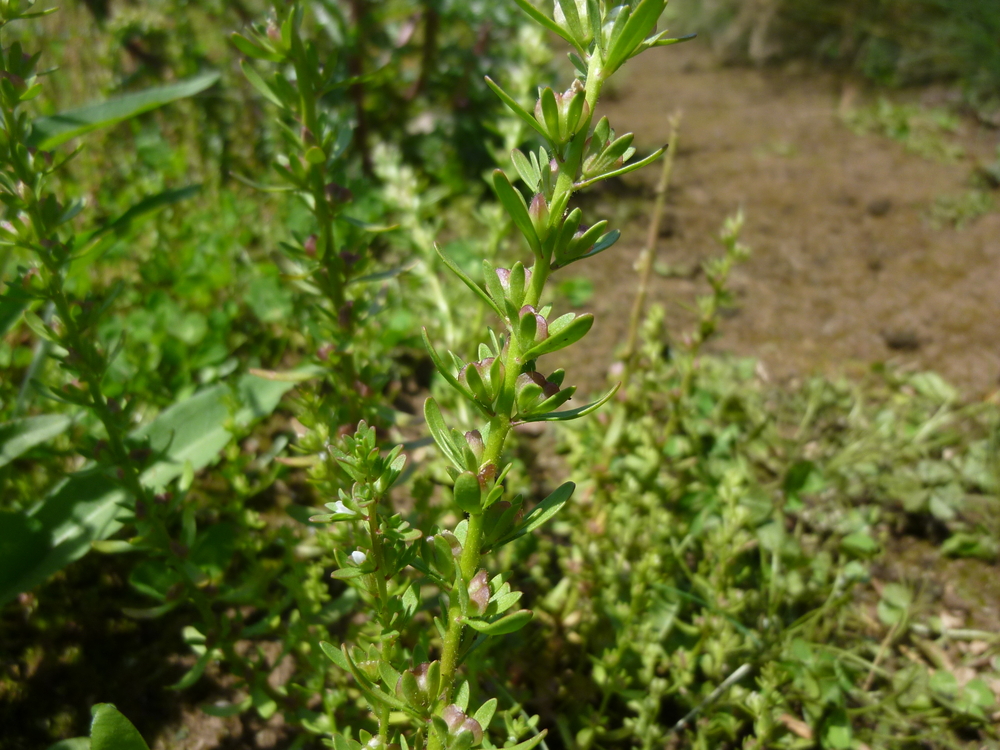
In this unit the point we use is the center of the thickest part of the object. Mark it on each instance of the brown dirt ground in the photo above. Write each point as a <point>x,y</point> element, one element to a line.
<point>844,261</point>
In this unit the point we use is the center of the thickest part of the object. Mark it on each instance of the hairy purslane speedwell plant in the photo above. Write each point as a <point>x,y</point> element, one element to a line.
<point>420,703</point>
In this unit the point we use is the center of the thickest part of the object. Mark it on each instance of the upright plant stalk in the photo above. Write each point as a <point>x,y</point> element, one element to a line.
<point>36,221</point>
<point>648,254</point>
<point>501,384</point>
<point>316,144</point>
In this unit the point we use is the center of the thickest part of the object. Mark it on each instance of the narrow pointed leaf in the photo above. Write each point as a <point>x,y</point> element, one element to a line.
<point>250,49</point>
<point>52,131</point>
<point>335,655</point>
<point>516,108</point>
<point>21,435</point>
<point>444,369</point>
<point>484,714</point>
<point>602,244</point>
<point>641,23</point>
<point>506,624</point>
<point>673,40</point>
<point>530,743</point>
<point>262,86</point>
<point>442,435</point>
<point>571,414</point>
<point>542,513</point>
<point>517,209</point>
<point>468,281</point>
<point>548,23</point>
<point>623,170</point>
<point>528,171</point>
<point>195,673</point>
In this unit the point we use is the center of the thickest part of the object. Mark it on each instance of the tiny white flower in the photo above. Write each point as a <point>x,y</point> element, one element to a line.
<point>430,539</point>
<point>358,557</point>
<point>339,507</point>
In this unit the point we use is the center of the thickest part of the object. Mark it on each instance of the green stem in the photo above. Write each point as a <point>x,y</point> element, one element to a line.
<point>500,425</point>
<point>648,253</point>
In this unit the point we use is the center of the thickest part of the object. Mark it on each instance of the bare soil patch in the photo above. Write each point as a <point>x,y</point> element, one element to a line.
<point>846,270</point>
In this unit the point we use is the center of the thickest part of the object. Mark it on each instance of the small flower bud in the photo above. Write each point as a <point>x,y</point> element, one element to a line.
<point>339,507</point>
<point>541,324</point>
<point>504,275</point>
<point>486,475</point>
<point>479,592</point>
<point>420,672</point>
<point>458,723</point>
<point>310,245</point>
<point>539,213</point>
<point>338,193</point>
<point>475,440</point>
<point>358,557</point>
<point>453,543</point>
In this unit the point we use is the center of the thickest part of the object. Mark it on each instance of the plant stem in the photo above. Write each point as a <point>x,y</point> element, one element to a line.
<point>645,264</point>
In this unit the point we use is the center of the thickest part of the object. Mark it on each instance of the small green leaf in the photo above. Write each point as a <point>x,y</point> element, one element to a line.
<point>442,435</point>
<point>546,22</point>
<point>467,492</point>
<point>335,655</point>
<point>837,733</point>
<point>542,513</point>
<point>550,113</point>
<point>567,336</point>
<point>261,85</point>
<point>195,673</point>
<point>517,209</point>
<point>945,683</point>
<point>530,743</point>
<point>250,49</point>
<point>468,281</point>
<point>346,574</point>
<point>979,694</point>
<point>529,173</point>
<point>507,624</point>
<point>484,714</point>
<point>110,730</point>
<point>623,170</point>
<point>516,108</point>
<point>223,710</point>
<point>859,544</point>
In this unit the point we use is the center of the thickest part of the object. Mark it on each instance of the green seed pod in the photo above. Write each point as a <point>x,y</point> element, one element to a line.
<point>479,593</point>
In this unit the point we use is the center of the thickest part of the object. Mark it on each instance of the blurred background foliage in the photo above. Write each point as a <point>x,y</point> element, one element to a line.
<point>890,42</point>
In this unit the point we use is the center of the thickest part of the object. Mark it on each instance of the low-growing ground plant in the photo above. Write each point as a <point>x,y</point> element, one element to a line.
<point>710,588</point>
